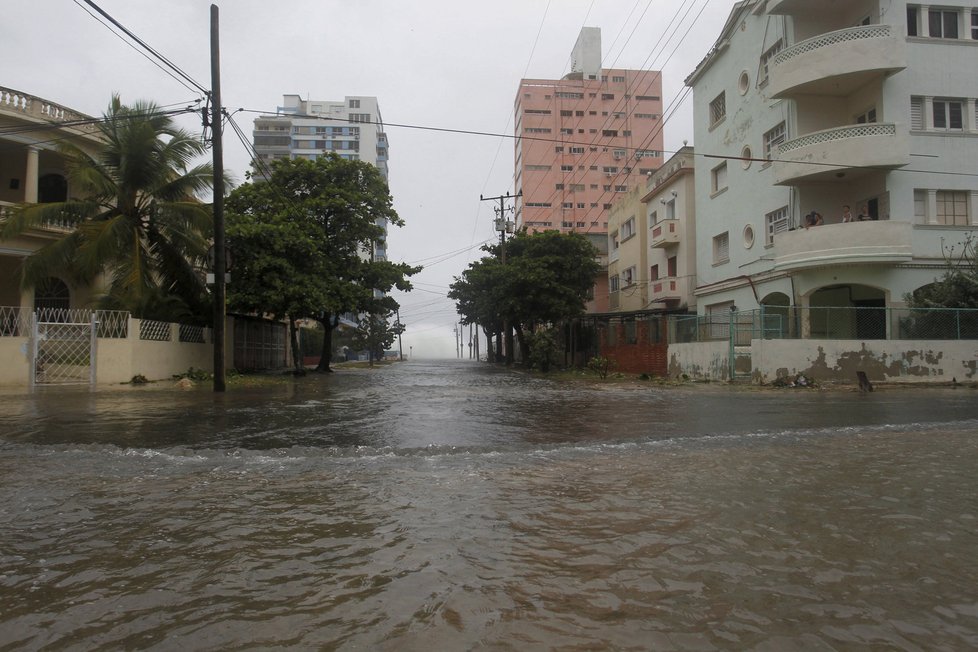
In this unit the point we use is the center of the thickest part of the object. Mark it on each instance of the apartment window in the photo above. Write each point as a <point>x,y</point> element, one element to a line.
<point>618,115</point>
<point>913,14</point>
<point>718,178</point>
<point>952,207</point>
<point>772,139</point>
<point>628,276</point>
<point>566,168</point>
<point>721,248</point>
<point>647,153</point>
<point>606,188</point>
<point>628,228</point>
<point>581,225</point>
<point>775,222</point>
<point>672,266</point>
<point>539,204</point>
<point>567,114</point>
<point>767,57</point>
<point>570,96</point>
<point>619,154</point>
<point>621,188</point>
<point>607,96</point>
<point>718,108</point>
<point>538,168</point>
<point>577,150</point>
<point>538,111</point>
<point>654,273</point>
<point>559,186</point>
<point>920,206</point>
<point>670,209</point>
<point>536,130</point>
<point>359,117</point>
<point>653,218</point>
<point>566,131</point>
<point>942,23</point>
<point>613,285</point>
<point>569,205</point>
<point>577,187</point>
<point>610,133</point>
<point>651,98</point>
<point>580,204</point>
<point>649,116</point>
<point>916,113</point>
<point>867,116</point>
<point>354,104</point>
<point>618,78</point>
<point>610,169</point>
<point>626,133</point>
<point>579,114</point>
<point>559,149</point>
<point>948,114</point>
<point>606,207</point>
<point>974,24</point>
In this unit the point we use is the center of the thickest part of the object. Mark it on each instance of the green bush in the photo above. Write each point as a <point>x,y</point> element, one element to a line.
<point>601,365</point>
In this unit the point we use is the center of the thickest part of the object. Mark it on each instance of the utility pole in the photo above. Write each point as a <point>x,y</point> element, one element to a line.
<point>455,331</point>
<point>504,226</point>
<point>400,329</point>
<point>220,265</point>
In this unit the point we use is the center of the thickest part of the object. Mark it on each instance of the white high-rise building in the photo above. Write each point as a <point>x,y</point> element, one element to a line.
<point>819,104</point>
<point>352,128</point>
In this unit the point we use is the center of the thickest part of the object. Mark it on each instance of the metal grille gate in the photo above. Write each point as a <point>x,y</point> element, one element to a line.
<point>63,352</point>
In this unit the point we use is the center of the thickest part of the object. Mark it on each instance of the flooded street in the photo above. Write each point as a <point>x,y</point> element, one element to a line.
<point>456,506</point>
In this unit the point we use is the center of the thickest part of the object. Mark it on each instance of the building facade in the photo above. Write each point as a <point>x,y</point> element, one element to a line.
<point>33,170</point>
<point>352,128</point>
<point>584,140</point>
<point>809,106</point>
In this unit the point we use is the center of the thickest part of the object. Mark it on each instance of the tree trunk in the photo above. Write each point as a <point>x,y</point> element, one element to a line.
<point>489,349</point>
<point>328,323</point>
<point>524,347</point>
<point>510,349</point>
<point>297,367</point>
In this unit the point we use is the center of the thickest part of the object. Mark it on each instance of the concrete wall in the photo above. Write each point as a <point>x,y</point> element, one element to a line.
<point>883,360</point>
<point>14,369</point>
<point>121,359</point>
<point>700,360</point>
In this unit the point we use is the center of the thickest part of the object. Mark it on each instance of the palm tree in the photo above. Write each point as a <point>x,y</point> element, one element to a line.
<point>137,220</point>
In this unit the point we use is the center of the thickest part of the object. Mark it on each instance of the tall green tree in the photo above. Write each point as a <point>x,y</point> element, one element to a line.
<point>958,285</point>
<point>374,334</point>
<point>136,215</point>
<point>307,232</point>
<point>545,281</point>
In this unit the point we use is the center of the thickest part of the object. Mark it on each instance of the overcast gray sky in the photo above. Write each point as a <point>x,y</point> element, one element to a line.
<point>431,63</point>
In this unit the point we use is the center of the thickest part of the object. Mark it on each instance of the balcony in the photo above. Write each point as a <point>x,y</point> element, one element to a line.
<point>665,233</point>
<point>837,63</point>
<point>841,153</point>
<point>802,8</point>
<point>884,241</point>
<point>666,290</point>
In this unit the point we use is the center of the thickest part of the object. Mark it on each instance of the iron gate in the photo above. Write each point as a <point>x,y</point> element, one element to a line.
<point>63,350</point>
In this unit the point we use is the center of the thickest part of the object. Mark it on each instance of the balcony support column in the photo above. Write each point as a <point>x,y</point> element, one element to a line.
<point>31,175</point>
<point>929,113</point>
<point>973,207</point>
<point>932,206</point>
<point>971,119</point>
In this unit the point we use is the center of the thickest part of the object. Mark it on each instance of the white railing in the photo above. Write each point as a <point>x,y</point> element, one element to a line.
<point>833,39</point>
<point>36,107</point>
<point>154,331</point>
<point>16,321</point>
<point>838,133</point>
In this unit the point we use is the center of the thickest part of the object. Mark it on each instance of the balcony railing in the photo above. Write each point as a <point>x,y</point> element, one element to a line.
<point>665,233</point>
<point>837,63</point>
<point>31,106</point>
<point>823,155</point>
<point>61,224</point>
<point>884,241</point>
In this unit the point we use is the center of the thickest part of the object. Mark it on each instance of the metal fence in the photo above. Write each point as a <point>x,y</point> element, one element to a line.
<point>828,323</point>
<point>16,321</point>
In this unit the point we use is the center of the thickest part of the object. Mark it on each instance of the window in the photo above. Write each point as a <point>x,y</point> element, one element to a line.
<point>718,178</point>
<point>538,204</point>
<point>576,150</point>
<point>536,130</point>
<point>974,24</point>
<point>912,18</point>
<point>610,133</point>
<point>867,116</point>
<point>649,116</point>
<point>580,204</point>
<point>566,131</point>
<point>579,114</point>
<point>721,248</point>
<point>538,168</point>
<point>653,218</point>
<point>920,206</point>
<point>570,96</point>
<point>577,187</point>
<point>619,154</point>
<point>559,186</point>
<point>567,204</point>
<point>566,114</point>
<point>628,228</point>
<point>942,23</point>
<point>607,96</point>
<point>618,78</point>
<point>559,149</point>
<point>776,222</point>
<point>613,283</point>
<point>566,168</point>
<point>628,276</point>
<point>916,113</point>
<point>538,111</point>
<point>948,114</point>
<point>621,188</point>
<point>354,104</point>
<point>651,98</point>
<point>670,209</point>
<point>654,273</point>
<point>647,153</point>
<point>610,169</point>
<point>772,139</point>
<point>952,207</point>
<point>672,266</point>
<point>718,108</point>
<point>359,117</point>
<point>767,57</point>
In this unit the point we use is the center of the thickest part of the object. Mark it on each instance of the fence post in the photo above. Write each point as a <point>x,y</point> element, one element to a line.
<point>32,352</point>
<point>732,359</point>
<point>957,320</point>
<point>93,352</point>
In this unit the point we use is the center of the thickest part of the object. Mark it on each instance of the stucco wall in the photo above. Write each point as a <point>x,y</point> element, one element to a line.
<point>13,361</point>
<point>700,361</point>
<point>882,360</point>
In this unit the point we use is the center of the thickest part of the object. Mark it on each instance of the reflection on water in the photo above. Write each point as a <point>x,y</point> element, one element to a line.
<point>454,506</point>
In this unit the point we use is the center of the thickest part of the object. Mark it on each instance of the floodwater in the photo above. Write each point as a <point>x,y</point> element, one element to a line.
<point>458,506</point>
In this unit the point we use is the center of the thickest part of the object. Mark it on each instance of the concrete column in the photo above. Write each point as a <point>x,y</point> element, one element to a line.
<point>973,207</point>
<point>932,206</point>
<point>970,118</point>
<point>928,113</point>
<point>30,177</point>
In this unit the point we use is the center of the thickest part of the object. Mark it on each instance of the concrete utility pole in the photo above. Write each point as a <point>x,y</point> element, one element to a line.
<point>220,265</point>
<point>504,226</point>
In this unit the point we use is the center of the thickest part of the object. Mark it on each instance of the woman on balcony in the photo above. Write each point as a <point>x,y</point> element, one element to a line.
<point>813,219</point>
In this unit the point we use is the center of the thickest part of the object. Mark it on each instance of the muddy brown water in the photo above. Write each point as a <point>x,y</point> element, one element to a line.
<point>457,506</point>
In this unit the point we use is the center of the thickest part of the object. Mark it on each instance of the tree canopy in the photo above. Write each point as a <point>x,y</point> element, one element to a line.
<point>958,286</point>
<point>302,241</point>
<point>136,216</point>
<point>546,280</point>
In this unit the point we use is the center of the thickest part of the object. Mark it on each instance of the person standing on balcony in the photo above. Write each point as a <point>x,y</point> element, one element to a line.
<point>813,219</point>
<point>846,214</point>
<point>864,214</point>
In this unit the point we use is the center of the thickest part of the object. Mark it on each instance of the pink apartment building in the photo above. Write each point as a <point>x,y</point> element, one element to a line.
<point>584,140</point>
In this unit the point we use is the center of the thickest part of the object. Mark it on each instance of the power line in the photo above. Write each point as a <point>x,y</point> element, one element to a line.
<point>169,64</point>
